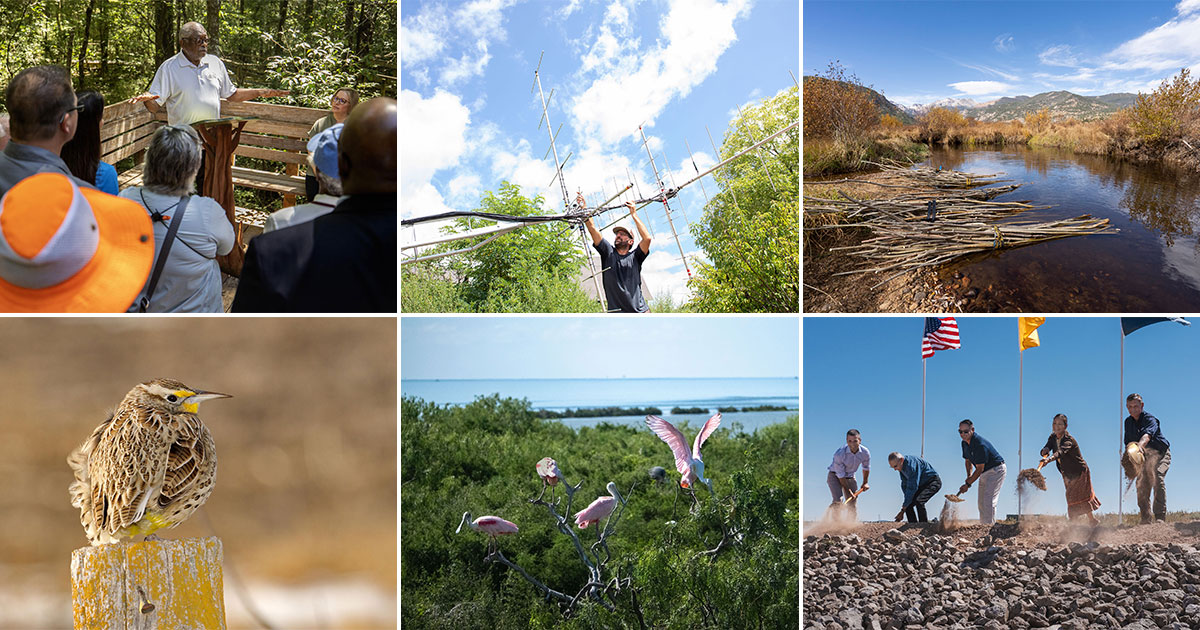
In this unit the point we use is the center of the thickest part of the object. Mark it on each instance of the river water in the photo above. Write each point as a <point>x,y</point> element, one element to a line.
<point>1152,265</point>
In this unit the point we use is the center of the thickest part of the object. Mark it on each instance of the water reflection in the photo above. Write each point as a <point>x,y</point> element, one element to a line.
<point>1152,265</point>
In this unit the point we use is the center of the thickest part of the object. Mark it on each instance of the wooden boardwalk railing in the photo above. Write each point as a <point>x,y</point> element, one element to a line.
<point>280,135</point>
<point>157,585</point>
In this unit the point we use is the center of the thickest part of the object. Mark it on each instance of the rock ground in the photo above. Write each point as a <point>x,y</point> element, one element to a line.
<point>882,576</point>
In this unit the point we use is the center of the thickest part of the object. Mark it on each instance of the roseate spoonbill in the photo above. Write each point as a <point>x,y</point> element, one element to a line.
<point>687,461</point>
<point>599,508</point>
<point>493,526</point>
<point>547,469</point>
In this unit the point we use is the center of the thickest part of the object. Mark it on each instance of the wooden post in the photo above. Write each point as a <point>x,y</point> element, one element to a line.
<point>290,169</point>
<point>157,585</point>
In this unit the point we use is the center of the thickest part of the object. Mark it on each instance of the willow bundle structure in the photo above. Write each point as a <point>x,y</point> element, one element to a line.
<point>939,178</point>
<point>925,228</point>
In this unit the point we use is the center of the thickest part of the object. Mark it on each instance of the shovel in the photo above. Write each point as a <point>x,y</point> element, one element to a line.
<point>853,496</point>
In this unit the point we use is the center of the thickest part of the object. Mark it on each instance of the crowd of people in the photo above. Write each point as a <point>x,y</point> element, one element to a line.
<point>72,241</point>
<point>1147,459</point>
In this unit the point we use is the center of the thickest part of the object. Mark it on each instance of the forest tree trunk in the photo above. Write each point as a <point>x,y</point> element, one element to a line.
<point>104,39</point>
<point>349,25</point>
<point>87,30</point>
<point>308,16</point>
<point>164,33</point>
<point>283,8</point>
<point>212,24</point>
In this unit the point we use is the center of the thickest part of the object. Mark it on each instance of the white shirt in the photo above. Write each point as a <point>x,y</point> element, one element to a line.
<point>286,217</point>
<point>846,463</point>
<point>190,282</point>
<point>191,92</point>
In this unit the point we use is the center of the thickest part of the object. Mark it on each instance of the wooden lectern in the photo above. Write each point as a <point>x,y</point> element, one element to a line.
<point>220,137</point>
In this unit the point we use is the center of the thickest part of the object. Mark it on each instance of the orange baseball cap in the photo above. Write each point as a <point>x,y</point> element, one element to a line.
<point>66,249</point>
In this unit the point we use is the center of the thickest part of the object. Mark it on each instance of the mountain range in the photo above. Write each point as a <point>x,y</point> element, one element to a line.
<point>1061,105</point>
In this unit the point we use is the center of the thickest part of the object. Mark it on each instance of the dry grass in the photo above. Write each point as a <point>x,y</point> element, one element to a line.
<point>306,487</point>
<point>1075,136</point>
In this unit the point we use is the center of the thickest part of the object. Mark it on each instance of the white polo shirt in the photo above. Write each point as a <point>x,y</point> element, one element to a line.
<point>286,217</point>
<point>191,92</point>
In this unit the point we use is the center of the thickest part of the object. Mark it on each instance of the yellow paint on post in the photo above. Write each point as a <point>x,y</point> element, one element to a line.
<point>159,585</point>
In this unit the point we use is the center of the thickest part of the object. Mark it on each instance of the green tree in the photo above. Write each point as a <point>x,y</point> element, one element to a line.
<point>750,231</point>
<point>535,269</point>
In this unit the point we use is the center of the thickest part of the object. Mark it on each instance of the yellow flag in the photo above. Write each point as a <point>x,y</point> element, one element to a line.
<point>1027,331</point>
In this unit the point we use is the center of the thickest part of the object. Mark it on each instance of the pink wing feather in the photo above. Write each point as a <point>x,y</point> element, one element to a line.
<point>706,431</point>
<point>495,526</point>
<point>672,436</point>
<point>595,511</point>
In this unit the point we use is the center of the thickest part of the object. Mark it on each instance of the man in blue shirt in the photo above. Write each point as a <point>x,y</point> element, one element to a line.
<point>989,469</point>
<point>1144,429</point>
<point>919,482</point>
<point>622,263</point>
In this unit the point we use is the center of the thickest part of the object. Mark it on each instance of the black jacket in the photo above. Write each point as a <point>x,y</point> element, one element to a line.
<point>341,262</point>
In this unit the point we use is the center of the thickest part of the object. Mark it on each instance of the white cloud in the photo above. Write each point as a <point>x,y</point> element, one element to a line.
<point>464,187</point>
<point>1003,43</point>
<point>990,70</point>
<point>1060,55</point>
<point>434,131</point>
<point>1172,46</point>
<point>664,272</point>
<point>981,88</point>
<point>634,88</point>
<point>473,26</point>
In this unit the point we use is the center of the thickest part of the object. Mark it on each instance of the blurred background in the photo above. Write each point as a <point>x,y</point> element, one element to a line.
<point>305,499</point>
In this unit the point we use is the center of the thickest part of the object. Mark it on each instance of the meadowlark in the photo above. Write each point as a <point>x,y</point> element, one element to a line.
<point>148,466</point>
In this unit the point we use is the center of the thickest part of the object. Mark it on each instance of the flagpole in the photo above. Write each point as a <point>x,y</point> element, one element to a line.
<point>1121,434</point>
<point>1020,410</point>
<point>923,407</point>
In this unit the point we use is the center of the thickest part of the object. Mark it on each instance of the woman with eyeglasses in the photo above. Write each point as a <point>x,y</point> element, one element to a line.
<point>340,106</point>
<point>82,153</point>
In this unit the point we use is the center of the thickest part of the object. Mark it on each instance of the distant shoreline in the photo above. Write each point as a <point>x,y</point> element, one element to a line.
<point>607,412</point>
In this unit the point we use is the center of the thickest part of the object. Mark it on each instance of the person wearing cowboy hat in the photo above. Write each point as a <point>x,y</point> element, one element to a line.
<point>622,263</point>
<point>66,248</point>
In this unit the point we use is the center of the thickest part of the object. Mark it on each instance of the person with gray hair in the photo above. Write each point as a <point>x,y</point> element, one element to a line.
<point>43,117</point>
<point>918,481</point>
<point>322,163</point>
<point>190,281</point>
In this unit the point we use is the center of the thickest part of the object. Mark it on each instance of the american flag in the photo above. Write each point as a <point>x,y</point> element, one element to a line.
<point>940,334</point>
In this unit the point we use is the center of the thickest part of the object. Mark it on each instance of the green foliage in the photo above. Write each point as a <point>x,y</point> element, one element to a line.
<point>534,269</point>
<point>750,231</point>
<point>425,291</point>
<point>1167,113</point>
<point>480,458</point>
<point>314,69</point>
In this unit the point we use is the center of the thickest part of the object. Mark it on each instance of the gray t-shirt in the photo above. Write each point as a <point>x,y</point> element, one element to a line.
<point>623,278</point>
<point>19,161</point>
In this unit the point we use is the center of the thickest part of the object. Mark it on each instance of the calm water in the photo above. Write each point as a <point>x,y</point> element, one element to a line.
<point>664,393</point>
<point>1152,265</point>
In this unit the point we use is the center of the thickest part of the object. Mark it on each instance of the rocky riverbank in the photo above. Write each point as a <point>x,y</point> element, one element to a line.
<point>914,577</point>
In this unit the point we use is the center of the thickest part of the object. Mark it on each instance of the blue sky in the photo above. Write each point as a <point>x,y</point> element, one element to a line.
<point>918,52</point>
<point>469,121</point>
<point>599,347</point>
<point>865,373</point>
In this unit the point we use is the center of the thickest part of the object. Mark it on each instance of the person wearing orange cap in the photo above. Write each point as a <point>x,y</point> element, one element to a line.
<point>622,263</point>
<point>65,248</point>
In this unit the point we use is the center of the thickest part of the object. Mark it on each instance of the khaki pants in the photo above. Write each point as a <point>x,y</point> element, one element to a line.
<point>1153,478</point>
<point>838,492</point>
<point>989,493</point>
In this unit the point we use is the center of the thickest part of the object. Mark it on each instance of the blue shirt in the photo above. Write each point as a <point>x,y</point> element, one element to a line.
<point>914,473</point>
<point>981,451</point>
<point>106,178</point>
<point>1146,425</point>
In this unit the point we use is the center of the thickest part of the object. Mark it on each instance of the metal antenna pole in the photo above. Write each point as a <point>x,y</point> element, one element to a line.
<point>756,154</point>
<point>584,239</point>
<point>666,209</point>
<point>697,169</point>
<point>676,187</point>
<point>718,154</point>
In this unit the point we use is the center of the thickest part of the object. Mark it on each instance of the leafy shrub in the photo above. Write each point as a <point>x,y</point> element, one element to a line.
<point>1168,113</point>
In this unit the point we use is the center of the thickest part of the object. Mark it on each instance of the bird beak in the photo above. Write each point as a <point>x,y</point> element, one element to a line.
<point>200,397</point>
<point>466,516</point>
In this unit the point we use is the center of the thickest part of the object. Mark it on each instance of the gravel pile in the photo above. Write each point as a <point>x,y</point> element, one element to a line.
<point>918,579</point>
